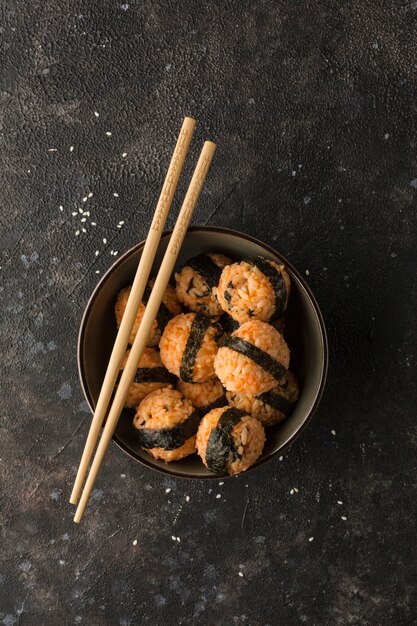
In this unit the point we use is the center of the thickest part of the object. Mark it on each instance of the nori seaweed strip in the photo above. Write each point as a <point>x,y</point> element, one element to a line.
<point>228,323</point>
<point>258,356</point>
<point>197,331</point>
<point>220,442</point>
<point>169,438</point>
<point>154,375</point>
<point>164,314</point>
<point>277,282</point>
<point>216,404</point>
<point>208,270</point>
<point>276,402</point>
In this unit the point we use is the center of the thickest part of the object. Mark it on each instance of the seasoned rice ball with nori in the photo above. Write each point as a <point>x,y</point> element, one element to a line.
<point>150,375</point>
<point>188,346</point>
<point>229,441</point>
<point>170,306</point>
<point>270,407</point>
<point>166,424</point>
<point>204,396</point>
<point>253,359</point>
<point>255,288</point>
<point>196,280</point>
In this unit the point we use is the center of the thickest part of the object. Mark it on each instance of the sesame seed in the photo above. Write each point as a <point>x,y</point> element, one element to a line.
<point>83,219</point>
<point>97,252</point>
<point>333,433</point>
<point>87,213</point>
<point>187,498</point>
<point>97,271</point>
<point>104,240</point>
<point>311,539</point>
<point>220,484</point>
<point>295,489</point>
<point>219,495</point>
<point>90,195</point>
<point>116,252</point>
<point>93,224</point>
<point>74,213</point>
<point>281,458</point>
<point>179,540</point>
<point>135,542</point>
<point>61,208</point>
<point>108,133</point>
<point>168,490</point>
<point>80,210</point>
<point>52,149</point>
<point>121,222</point>
<point>71,148</point>
<point>173,538</point>
<point>292,492</point>
<point>307,272</point>
<point>124,154</point>
<point>116,195</point>
<point>118,226</point>
<point>83,230</point>
<point>96,114</point>
<point>85,199</point>
<point>241,574</point>
<point>344,518</point>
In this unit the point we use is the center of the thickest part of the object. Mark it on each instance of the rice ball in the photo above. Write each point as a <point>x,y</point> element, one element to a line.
<point>188,346</point>
<point>204,396</point>
<point>170,306</point>
<point>166,425</point>
<point>196,280</point>
<point>229,441</point>
<point>150,375</point>
<point>255,288</point>
<point>253,359</point>
<point>270,407</point>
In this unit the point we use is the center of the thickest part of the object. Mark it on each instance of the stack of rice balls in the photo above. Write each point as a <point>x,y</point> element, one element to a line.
<point>215,372</point>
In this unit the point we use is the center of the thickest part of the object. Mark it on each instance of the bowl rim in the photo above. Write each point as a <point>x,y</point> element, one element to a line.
<point>314,305</point>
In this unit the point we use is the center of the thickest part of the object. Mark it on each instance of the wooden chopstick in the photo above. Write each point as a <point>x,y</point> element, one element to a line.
<point>135,297</point>
<point>149,315</point>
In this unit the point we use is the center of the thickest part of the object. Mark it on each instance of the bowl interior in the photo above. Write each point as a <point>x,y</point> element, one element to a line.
<point>304,333</point>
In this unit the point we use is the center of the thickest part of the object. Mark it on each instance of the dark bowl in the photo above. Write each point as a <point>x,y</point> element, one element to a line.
<point>305,333</point>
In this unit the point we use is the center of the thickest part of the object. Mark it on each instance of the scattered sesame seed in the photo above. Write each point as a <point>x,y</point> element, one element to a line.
<point>124,154</point>
<point>116,195</point>
<point>307,272</point>
<point>116,252</point>
<point>83,219</point>
<point>77,232</point>
<point>187,498</point>
<point>121,222</point>
<point>52,149</point>
<point>219,495</point>
<point>87,213</point>
<point>333,433</point>
<point>108,133</point>
<point>241,574</point>
<point>93,224</point>
<point>173,538</point>
<point>71,148</point>
<point>74,213</point>
<point>339,502</point>
<point>281,458</point>
<point>179,540</point>
<point>96,113</point>
<point>168,490</point>
<point>118,226</point>
<point>295,489</point>
<point>311,539</point>
<point>135,542</point>
<point>293,173</point>
<point>90,195</point>
<point>83,230</point>
<point>61,208</point>
<point>85,199</point>
<point>122,475</point>
<point>220,484</point>
<point>344,518</point>
<point>97,271</point>
<point>104,240</point>
<point>292,492</point>
<point>97,252</point>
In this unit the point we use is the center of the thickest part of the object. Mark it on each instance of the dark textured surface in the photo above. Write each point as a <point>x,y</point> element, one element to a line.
<point>314,108</point>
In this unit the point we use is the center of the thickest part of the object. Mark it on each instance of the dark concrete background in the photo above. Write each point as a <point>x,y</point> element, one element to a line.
<point>313,106</point>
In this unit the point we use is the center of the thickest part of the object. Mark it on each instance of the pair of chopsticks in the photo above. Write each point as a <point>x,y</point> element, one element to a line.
<point>135,298</point>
